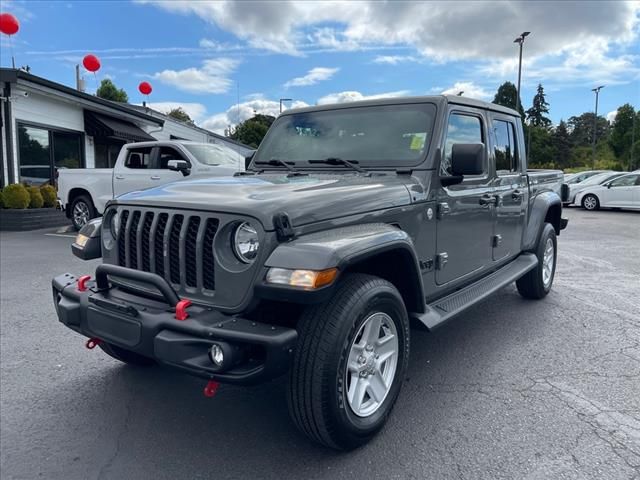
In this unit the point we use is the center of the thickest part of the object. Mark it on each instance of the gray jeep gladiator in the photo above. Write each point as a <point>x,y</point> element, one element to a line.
<point>351,222</point>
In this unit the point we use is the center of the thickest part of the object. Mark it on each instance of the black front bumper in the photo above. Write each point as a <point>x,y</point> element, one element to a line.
<point>148,326</point>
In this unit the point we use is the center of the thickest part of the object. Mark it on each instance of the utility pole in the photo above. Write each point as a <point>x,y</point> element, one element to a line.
<point>595,124</point>
<point>633,141</point>
<point>520,40</point>
<point>284,100</point>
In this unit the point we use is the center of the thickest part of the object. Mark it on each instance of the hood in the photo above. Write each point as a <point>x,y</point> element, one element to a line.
<point>305,199</point>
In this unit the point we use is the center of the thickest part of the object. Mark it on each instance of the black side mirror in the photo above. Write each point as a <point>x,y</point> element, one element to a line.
<point>467,159</point>
<point>609,185</point>
<point>247,159</point>
<point>87,244</point>
<point>179,166</point>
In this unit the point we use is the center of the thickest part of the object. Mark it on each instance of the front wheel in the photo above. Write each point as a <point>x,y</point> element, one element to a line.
<point>351,359</point>
<point>590,202</point>
<point>537,282</point>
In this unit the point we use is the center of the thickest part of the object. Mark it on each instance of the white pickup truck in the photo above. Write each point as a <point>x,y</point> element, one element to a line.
<point>84,192</point>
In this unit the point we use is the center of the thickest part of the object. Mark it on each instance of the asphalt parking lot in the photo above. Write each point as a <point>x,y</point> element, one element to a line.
<point>511,389</point>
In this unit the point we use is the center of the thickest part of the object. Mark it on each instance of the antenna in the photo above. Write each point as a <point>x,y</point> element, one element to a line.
<point>238,104</point>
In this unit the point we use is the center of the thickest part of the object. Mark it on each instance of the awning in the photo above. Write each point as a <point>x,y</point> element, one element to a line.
<point>97,125</point>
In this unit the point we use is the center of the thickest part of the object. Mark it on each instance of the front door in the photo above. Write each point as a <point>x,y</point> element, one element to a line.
<point>620,192</point>
<point>511,189</point>
<point>465,211</point>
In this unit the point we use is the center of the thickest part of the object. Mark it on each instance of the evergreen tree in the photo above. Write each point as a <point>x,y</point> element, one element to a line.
<point>109,91</point>
<point>562,145</point>
<point>536,114</point>
<point>622,132</point>
<point>507,97</point>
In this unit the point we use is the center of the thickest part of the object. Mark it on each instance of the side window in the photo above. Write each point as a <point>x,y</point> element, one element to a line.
<point>138,158</point>
<point>461,129</point>
<point>166,154</point>
<point>505,147</point>
<point>626,181</point>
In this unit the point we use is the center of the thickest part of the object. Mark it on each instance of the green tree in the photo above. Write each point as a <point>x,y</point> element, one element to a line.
<point>536,114</point>
<point>179,114</point>
<point>542,153</point>
<point>252,131</point>
<point>562,145</point>
<point>109,91</point>
<point>506,96</point>
<point>622,133</point>
<point>581,129</point>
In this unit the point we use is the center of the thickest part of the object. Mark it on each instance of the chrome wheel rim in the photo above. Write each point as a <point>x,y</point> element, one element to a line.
<point>81,214</point>
<point>372,364</point>
<point>547,262</point>
<point>589,203</point>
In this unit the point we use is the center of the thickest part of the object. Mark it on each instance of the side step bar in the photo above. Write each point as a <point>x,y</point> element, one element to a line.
<point>447,307</point>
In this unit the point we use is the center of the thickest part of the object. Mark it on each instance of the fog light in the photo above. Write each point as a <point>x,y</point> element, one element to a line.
<point>216,355</point>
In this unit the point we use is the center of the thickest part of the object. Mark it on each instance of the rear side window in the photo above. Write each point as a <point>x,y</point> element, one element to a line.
<point>505,147</point>
<point>138,158</point>
<point>461,129</point>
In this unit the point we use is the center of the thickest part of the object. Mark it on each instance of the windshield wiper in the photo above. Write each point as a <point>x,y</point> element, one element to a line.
<point>275,162</point>
<point>341,161</point>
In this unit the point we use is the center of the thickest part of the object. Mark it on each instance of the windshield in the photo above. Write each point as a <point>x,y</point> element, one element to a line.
<point>388,135</point>
<point>212,154</point>
<point>597,179</point>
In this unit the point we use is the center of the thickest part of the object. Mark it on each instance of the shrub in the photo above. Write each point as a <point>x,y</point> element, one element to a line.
<point>1,200</point>
<point>49,195</point>
<point>16,196</point>
<point>36,200</point>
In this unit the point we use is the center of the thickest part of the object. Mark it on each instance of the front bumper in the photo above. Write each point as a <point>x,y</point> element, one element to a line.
<point>148,326</point>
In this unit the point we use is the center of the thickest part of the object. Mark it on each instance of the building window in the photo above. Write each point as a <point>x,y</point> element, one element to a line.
<point>42,151</point>
<point>106,152</point>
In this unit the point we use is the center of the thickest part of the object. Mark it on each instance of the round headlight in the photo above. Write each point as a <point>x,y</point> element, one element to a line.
<point>246,242</point>
<point>114,224</point>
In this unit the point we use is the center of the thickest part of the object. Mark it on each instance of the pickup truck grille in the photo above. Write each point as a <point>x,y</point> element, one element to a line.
<point>176,246</point>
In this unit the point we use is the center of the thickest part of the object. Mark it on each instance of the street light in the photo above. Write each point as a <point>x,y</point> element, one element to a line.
<point>520,41</point>
<point>284,100</point>
<point>595,123</point>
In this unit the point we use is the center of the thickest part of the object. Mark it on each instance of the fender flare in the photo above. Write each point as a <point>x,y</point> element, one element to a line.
<point>538,210</point>
<point>345,247</point>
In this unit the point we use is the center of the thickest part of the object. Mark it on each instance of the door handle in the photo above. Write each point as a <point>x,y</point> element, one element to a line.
<point>155,177</point>
<point>517,195</point>
<point>119,177</point>
<point>487,200</point>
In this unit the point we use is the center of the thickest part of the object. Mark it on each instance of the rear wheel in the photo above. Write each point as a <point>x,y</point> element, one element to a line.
<point>590,202</point>
<point>126,356</point>
<point>351,359</point>
<point>537,282</point>
<point>82,210</point>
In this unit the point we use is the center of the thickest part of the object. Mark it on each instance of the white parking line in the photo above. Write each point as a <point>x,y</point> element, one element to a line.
<point>59,235</point>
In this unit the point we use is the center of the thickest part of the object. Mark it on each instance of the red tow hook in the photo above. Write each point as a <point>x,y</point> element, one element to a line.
<point>211,388</point>
<point>181,309</point>
<point>92,343</point>
<point>82,283</point>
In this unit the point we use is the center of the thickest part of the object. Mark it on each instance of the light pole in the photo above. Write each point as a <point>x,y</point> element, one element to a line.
<point>520,40</point>
<point>595,123</point>
<point>284,100</point>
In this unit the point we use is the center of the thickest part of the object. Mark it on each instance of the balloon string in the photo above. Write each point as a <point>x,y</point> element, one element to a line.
<point>95,77</point>
<point>13,59</point>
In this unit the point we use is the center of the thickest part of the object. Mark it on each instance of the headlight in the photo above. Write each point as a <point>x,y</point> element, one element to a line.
<point>246,242</point>
<point>114,225</point>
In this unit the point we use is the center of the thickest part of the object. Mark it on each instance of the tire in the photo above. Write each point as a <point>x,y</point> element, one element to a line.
<point>82,210</point>
<point>590,202</point>
<point>537,283</point>
<point>332,336</point>
<point>126,356</point>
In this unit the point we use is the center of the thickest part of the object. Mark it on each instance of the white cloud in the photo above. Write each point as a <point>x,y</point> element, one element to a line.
<point>245,110</point>
<point>611,116</point>
<point>470,89</point>
<point>354,96</point>
<point>196,111</point>
<point>313,76</point>
<point>211,77</point>
<point>395,59</point>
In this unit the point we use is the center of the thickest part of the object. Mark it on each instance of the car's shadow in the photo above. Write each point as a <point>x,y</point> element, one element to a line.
<point>151,422</point>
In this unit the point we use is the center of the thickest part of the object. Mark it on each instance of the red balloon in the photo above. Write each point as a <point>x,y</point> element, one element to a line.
<point>9,24</point>
<point>145,88</point>
<point>91,63</point>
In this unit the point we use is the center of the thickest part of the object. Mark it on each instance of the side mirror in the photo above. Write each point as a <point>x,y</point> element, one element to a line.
<point>179,166</point>
<point>87,244</point>
<point>609,185</point>
<point>467,159</point>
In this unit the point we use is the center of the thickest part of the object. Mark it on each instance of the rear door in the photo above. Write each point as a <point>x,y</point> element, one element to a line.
<point>510,188</point>
<point>465,219</point>
<point>134,173</point>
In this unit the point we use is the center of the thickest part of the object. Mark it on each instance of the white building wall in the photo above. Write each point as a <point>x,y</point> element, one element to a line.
<point>5,167</point>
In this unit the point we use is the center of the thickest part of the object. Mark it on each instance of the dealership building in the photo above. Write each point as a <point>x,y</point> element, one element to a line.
<point>46,126</point>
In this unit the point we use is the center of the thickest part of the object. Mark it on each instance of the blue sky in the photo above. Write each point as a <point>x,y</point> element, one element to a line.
<point>197,54</point>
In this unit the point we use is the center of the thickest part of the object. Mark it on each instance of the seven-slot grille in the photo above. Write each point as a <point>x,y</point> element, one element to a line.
<point>176,246</point>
